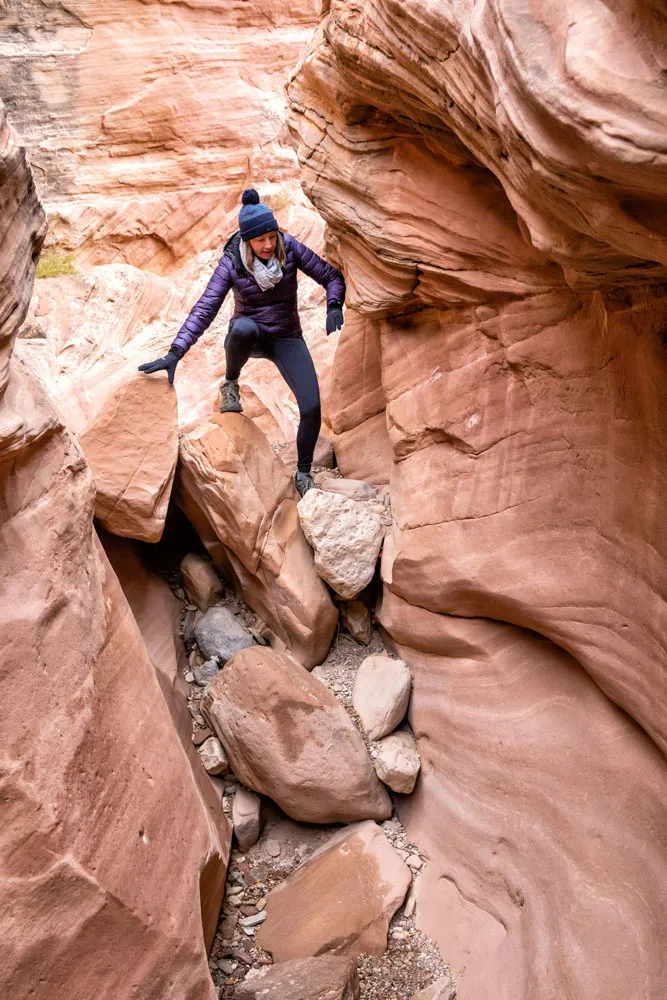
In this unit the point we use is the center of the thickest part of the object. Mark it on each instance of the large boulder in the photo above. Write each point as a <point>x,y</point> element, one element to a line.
<point>240,498</point>
<point>326,977</point>
<point>341,900</point>
<point>289,738</point>
<point>346,537</point>
<point>132,448</point>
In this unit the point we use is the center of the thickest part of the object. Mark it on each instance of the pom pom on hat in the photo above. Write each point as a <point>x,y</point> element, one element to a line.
<point>255,219</point>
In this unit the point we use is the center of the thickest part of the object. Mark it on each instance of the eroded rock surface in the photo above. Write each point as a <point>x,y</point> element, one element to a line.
<point>90,754</point>
<point>289,738</point>
<point>146,126</point>
<point>503,366</point>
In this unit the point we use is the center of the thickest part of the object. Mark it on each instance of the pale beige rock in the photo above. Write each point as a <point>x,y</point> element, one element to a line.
<point>397,763</point>
<point>326,977</point>
<point>200,580</point>
<point>132,448</point>
<point>240,498</point>
<point>356,618</point>
<point>381,694</point>
<point>246,817</point>
<point>289,738</point>
<point>441,989</point>
<point>341,900</point>
<point>346,538</point>
<point>353,489</point>
<point>213,756</point>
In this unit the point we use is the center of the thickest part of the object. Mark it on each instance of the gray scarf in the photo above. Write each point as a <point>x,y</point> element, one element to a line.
<point>268,275</point>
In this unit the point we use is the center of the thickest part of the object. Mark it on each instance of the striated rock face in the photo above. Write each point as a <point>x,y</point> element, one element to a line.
<point>146,120</point>
<point>90,853</point>
<point>494,176</point>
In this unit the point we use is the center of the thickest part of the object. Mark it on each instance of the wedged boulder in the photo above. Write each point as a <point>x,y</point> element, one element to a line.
<point>346,537</point>
<point>397,763</point>
<point>213,756</point>
<point>326,977</point>
<point>341,900</point>
<point>246,817</point>
<point>381,694</point>
<point>220,634</point>
<point>356,618</point>
<point>240,498</point>
<point>289,738</point>
<point>132,447</point>
<point>201,582</point>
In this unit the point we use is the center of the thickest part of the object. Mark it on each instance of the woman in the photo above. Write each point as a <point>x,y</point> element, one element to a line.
<point>260,263</point>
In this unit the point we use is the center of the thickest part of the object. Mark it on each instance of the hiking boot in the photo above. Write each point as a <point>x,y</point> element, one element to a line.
<point>304,482</point>
<point>230,397</point>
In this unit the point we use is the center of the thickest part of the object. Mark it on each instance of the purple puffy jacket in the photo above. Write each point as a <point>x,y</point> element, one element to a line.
<point>275,312</point>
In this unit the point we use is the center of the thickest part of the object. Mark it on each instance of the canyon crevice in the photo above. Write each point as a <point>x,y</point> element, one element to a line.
<point>491,179</point>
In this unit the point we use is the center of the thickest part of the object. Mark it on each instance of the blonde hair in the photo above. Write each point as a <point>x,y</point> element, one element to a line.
<point>249,253</point>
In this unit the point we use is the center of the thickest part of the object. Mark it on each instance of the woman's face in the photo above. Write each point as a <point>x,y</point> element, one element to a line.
<point>265,245</point>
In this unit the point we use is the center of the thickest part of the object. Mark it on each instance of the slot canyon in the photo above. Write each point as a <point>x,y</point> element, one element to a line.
<point>403,736</point>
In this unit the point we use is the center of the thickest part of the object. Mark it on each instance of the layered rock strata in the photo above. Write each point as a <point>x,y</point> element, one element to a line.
<point>90,853</point>
<point>145,122</point>
<point>493,177</point>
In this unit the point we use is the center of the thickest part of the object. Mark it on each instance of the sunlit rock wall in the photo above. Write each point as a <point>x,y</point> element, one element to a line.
<point>145,120</point>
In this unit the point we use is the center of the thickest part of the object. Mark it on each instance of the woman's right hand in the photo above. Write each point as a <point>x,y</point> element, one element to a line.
<point>167,363</point>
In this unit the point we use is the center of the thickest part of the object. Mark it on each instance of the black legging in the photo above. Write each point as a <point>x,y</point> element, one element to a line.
<point>292,358</point>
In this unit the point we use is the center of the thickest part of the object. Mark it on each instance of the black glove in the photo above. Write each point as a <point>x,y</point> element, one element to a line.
<point>167,363</point>
<point>335,317</point>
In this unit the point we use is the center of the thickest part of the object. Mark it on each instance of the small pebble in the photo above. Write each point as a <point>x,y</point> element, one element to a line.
<point>273,848</point>
<point>414,861</point>
<point>189,677</point>
<point>254,920</point>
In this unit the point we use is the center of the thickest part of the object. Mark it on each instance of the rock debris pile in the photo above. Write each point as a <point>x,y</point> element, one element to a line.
<point>311,910</point>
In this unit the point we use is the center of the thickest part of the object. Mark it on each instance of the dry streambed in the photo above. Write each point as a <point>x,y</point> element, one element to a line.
<point>304,888</point>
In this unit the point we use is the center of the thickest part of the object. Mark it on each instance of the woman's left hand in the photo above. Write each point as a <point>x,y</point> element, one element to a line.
<point>335,318</point>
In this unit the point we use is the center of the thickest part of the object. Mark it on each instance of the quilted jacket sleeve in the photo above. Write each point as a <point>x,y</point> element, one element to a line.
<point>206,308</point>
<point>320,271</point>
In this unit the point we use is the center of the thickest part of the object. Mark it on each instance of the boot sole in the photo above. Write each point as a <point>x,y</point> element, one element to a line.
<point>232,408</point>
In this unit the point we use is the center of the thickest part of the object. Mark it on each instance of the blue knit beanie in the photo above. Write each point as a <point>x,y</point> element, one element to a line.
<point>255,219</point>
